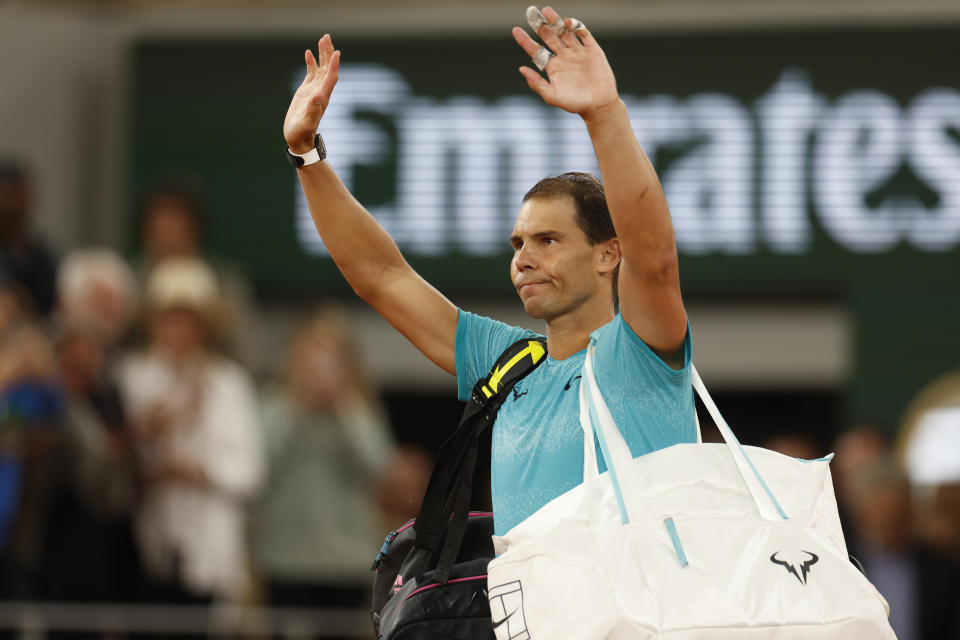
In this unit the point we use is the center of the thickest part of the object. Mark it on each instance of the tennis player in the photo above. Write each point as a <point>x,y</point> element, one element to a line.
<point>596,262</point>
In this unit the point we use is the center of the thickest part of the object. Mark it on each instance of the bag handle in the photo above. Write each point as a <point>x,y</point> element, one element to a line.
<point>616,453</point>
<point>619,459</point>
<point>590,468</point>
<point>766,502</point>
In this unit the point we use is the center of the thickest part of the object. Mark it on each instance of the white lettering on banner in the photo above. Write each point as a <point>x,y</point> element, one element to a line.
<point>524,132</point>
<point>742,177</point>
<point>788,117</point>
<point>858,148</point>
<point>709,188</point>
<point>421,135</point>
<point>470,158</point>
<point>935,156</point>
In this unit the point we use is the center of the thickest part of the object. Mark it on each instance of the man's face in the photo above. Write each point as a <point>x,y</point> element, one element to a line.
<point>170,232</point>
<point>554,265</point>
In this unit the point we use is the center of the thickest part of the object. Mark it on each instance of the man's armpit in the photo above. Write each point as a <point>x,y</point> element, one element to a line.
<point>673,359</point>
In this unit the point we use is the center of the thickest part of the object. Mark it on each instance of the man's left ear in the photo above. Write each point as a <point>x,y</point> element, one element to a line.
<point>609,256</point>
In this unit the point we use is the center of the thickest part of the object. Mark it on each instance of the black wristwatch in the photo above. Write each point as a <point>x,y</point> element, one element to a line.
<point>318,153</point>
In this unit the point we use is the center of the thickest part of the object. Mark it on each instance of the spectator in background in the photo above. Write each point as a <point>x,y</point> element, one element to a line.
<point>195,418</point>
<point>172,224</point>
<point>31,411</point>
<point>795,445</point>
<point>97,289</point>
<point>400,491</point>
<point>23,257</point>
<point>316,529</point>
<point>90,552</point>
<point>921,585</point>
<point>929,445</point>
<point>854,449</point>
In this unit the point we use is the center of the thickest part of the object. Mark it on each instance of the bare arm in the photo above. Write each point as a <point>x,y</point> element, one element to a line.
<point>581,81</point>
<point>363,251</point>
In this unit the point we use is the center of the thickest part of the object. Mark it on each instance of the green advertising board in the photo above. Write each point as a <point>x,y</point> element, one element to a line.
<point>818,165</point>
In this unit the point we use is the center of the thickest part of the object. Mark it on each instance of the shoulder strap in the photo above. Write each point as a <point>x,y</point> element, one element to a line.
<point>451,482</point>
<point>514,363</point>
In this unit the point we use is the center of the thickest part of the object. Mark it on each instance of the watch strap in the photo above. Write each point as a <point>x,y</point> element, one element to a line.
<point>318,153</point>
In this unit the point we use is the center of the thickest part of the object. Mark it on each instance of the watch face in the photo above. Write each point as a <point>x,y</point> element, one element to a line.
<point>321,148</point>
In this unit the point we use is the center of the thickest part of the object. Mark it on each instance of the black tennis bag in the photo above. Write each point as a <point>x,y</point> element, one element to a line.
<point>431,573</point>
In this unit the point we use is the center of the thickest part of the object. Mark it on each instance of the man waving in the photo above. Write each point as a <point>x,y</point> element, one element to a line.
<point>596,262</point>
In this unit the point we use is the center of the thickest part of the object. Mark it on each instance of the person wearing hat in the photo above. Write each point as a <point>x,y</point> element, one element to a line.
<point>194,415</point>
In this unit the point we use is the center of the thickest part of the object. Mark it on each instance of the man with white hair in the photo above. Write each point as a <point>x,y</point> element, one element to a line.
<point>89,551</point>
<point>96,288</point>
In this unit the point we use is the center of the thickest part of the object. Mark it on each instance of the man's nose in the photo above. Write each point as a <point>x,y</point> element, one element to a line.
<point>525,258</point>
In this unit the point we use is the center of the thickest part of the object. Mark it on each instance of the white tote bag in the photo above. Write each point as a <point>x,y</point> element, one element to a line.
<point>695,541</point>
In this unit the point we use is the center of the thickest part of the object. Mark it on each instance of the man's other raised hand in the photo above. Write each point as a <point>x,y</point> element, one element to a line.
<point>312,96</point>
<point>579,78</point>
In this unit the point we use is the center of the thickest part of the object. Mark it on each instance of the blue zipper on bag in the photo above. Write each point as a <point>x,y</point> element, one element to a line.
<point>675,539</point>
<point>383,550</point>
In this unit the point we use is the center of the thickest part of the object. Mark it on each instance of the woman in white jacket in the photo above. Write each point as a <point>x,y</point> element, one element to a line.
<point>195,417</point>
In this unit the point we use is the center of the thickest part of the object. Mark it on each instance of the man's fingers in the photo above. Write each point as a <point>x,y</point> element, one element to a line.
<point>535,18</point>
<point>321,56</point>
<point>330,77</point>
<point>538,54</point>
<point>551,16</point>
<point>535,81</point>
<point>569,39</point>
<point>550,38</point>
<point>542,58</point>
<point>324,50</point>
<point>548,27</point>
<point>585,36</point>
<point>528,44</point>
<point>555,27</point>
<point>311,64</point>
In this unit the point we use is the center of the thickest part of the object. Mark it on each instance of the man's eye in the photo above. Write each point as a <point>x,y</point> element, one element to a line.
<point>549,241</point>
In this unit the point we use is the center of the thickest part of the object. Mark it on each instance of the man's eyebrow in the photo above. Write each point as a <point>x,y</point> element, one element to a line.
<point>538,234</point>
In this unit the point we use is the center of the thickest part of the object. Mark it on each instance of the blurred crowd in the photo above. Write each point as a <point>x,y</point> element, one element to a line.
<point>140,461</point>
<point>144,454</point>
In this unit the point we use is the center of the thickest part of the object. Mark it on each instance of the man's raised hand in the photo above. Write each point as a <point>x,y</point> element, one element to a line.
<point>312,96</point>
<point>580,78</point>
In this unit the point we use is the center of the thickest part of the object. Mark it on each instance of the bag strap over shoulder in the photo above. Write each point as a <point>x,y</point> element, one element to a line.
<point>451,482</point>
<point>514,363</point>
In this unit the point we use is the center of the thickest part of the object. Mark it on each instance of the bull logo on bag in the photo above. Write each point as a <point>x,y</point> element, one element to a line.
<point>792,569</point>
<point>506,608</point>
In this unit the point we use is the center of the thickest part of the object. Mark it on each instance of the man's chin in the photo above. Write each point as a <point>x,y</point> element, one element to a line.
<point>534,310</point>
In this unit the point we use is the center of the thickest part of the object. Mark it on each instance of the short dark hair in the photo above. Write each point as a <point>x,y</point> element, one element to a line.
<point>590,202</point>
<point>183,194</point>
